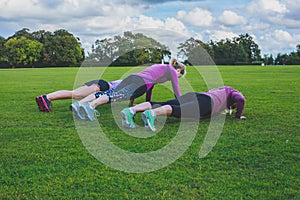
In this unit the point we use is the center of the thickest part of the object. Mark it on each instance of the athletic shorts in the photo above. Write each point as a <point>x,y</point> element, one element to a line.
<point>102,84</point>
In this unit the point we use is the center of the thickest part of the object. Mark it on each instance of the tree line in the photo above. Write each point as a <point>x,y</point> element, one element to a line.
<point>61,48</point>
<point>41,49</point>
<point>128,49</point>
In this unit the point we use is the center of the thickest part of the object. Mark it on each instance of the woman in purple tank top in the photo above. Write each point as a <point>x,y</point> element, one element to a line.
<point>190,105</point>
<point>132,87</point>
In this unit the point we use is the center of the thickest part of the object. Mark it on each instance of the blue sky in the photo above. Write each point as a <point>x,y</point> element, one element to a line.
<point>274,24</point>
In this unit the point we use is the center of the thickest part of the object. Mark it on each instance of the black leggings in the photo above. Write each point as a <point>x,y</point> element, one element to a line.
<point>189,105</point>
<point>130,88</point>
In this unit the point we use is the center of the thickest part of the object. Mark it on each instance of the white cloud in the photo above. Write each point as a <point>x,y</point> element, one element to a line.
<point>274,22</point>
<point>196,17</point>
<point>85,19</point>
<point>15,8</point>
<point>279,41</point>
<point>217,35</point>
<point>169,31</point>
<point>281,35</point>
<point>293,9</point>
<point>275,12</point>
<point>175,25</point>
<point>197,36</point>
<point>230,18</point>
<point>64,10</point>
<point>146,22</point>
<point>271,11</point>
<point>257,27</point>
<point>267,6</point>
<point>285,22</point>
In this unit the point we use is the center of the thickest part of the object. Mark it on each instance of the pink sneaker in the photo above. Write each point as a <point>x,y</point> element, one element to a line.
<point>43,103</point>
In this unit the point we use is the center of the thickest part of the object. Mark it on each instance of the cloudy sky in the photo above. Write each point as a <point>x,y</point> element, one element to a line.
<point>274,24</point>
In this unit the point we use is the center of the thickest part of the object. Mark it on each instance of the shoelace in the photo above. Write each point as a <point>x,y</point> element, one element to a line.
<point>97,113</point>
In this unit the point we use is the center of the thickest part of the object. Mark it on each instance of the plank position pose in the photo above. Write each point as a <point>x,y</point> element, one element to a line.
<point>133,86</point>
<point>190,105</point>
<point>44,101</point>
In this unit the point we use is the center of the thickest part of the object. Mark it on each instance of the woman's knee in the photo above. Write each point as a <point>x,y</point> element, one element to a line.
<point>77,95</point>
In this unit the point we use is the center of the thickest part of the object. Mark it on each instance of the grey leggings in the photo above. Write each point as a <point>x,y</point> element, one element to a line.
<point>130,88</point>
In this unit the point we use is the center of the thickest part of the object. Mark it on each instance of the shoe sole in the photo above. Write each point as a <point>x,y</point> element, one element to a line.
<point>85,113</point>
<point>76,112</point>
<point>125,122</point>
<point>147,123</point>
<point>39,104</point>
<point>42,105</point>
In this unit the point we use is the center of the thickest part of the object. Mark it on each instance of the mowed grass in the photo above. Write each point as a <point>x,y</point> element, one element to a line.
<point>42,156</point>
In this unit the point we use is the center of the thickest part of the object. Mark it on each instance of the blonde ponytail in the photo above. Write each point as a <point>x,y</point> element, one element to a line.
<point>173,62</point>
<point>178,65</point>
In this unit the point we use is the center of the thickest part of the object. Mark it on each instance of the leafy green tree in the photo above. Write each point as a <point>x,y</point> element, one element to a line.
<point>123,44</point>
<point>293,59</point>
<point>3,58</point>
<point>21,51</point>
<point>187,48</point>
<point>60,48</point>
<point>239,55</point>
<point>44,37</point>
<point>103,52</point>
<point>239,50</point>
<point>249,46</point>
<point>158,54</point>
<point>222,52</point>
<point>281,59</point>
<point>2,49</point>
<point>127,49</point>
<point>23,33</point>
<point>63,49</point>
<point>268,59</point>
<point>144,49</point>
<point>140,56</point>
<point>196,52</point>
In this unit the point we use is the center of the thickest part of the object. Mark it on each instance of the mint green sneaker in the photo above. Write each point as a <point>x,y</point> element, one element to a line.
<point>88,112</point>
<point>148,117</point>
<point>127,118</point>
<point>74,107</point>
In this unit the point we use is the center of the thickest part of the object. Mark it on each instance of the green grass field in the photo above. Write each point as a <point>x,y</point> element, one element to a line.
<point>43,157</point>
